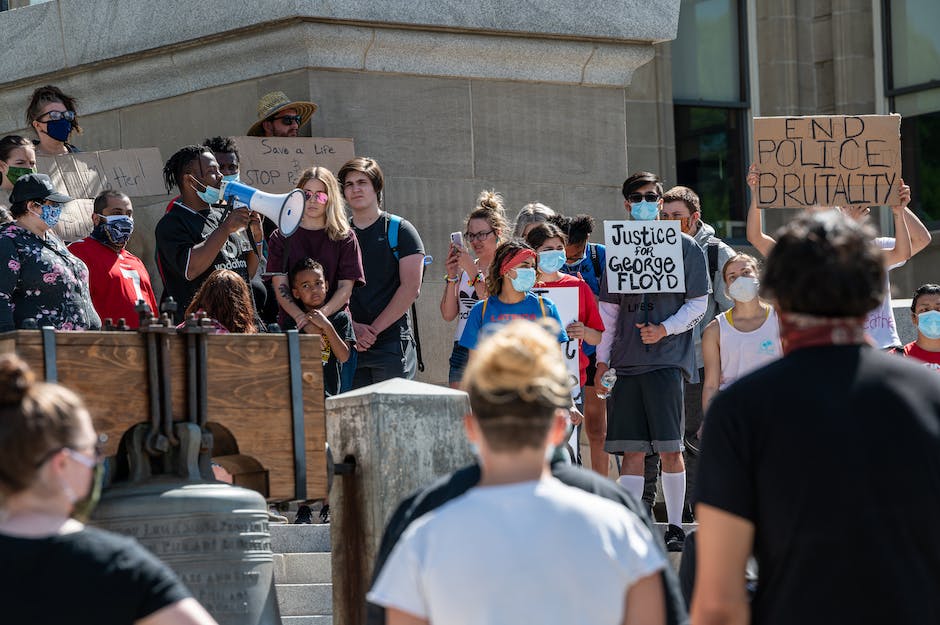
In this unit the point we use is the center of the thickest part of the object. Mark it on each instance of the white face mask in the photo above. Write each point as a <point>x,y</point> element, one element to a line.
<point>744,288</point>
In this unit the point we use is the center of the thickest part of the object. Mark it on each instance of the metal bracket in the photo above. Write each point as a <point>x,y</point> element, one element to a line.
<point>297,415</point>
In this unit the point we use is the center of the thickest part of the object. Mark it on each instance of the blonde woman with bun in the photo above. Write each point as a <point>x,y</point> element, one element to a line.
<point>460,563</point>
<point>325,236</point>
<point>50,468</point>
<point>465,279</point>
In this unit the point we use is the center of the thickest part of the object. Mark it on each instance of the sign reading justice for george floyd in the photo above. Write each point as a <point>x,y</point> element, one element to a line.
<point>644,257</point>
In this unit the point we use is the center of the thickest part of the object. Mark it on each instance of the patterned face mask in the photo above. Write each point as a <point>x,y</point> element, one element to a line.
<point>114,229</point>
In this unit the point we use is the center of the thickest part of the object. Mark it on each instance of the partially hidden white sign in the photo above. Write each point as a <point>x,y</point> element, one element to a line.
<point>565,299</point>
<point>644,257</point>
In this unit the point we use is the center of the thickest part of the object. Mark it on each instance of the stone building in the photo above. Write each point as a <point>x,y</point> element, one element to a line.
<point>549,101</point>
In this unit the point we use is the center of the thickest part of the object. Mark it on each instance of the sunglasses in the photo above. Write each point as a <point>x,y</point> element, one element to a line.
<point>289,120</point>
<point>55,116</point>
<point>79,457</point>
<point>477,236</point>
<point>319,196</point>
<point>649,196</point>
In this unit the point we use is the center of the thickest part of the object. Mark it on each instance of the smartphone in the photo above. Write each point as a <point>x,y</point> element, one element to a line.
<point>456,238</point>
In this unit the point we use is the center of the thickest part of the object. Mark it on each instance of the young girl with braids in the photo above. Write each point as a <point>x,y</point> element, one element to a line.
<point>466,278</point>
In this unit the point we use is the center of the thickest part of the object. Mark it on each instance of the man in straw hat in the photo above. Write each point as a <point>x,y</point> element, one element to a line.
<point>278,116</point>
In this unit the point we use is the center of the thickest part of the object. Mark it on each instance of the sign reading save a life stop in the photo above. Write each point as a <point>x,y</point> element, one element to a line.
<point>644,257</point>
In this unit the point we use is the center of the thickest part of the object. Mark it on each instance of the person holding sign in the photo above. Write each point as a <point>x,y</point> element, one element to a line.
<point>925,314</point>
<point>193,239</point>
<point>466,278</point>
<point>910,238</point>
<point>743,338</point>
<point>648,340</point>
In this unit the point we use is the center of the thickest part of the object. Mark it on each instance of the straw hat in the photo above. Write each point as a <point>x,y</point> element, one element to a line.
<point>274,102</point>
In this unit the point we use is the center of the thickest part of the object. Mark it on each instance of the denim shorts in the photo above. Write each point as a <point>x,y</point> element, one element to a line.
<point>458,363</point>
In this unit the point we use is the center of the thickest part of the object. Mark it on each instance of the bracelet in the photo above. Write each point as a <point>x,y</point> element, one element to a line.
<point>477,278</point>
<point>451,280</point>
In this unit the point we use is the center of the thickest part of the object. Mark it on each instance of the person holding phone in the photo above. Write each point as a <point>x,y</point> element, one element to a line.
<point>466,278</point>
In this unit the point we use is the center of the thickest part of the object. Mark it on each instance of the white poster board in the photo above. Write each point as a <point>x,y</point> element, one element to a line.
<point>565,299</point>
<point>644,257</point>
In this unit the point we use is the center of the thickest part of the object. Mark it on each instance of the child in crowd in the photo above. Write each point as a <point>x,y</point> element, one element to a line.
<point>224,298</point>
<point>310,288</point>
<point>744,337</point>
<point>925,314</point>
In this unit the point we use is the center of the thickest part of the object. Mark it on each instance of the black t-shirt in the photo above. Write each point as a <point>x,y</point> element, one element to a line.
<point>833,453</point>
<point>89,577</point>
<point>459,482</point>
<point>381,269</point>
<point>342,323</point>
<point>177,232</point>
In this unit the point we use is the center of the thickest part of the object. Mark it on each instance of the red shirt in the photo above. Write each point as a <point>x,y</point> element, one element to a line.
<point>588,312</point>
<point>931,360</point>
<point>116,280</point>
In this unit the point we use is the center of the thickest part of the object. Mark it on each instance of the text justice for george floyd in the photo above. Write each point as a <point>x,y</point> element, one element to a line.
<point>835,144</point>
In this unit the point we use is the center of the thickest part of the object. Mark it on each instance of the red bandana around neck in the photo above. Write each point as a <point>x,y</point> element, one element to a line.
<point>799,330</point>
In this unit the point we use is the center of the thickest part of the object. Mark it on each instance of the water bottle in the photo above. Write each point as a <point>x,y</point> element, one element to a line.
<point>607,383</point>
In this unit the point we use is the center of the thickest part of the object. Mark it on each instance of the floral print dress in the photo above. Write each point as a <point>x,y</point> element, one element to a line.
<point>42,280</point>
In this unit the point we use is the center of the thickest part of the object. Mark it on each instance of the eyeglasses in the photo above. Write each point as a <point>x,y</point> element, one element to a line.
<point>77,456</point>
<point>319,196</point>
<point>649,196</point>
<point>477,236</point>
<point>288,120</point>
<point>55,116</point>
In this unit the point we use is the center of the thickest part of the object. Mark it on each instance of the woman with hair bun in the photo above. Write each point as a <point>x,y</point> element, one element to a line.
<point>466,278</point>
<point>50,468</point>
<point>460,563</point>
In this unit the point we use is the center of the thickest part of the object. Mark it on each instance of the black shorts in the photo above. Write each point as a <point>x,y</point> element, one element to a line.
<point>645,413</point>
<point>590,370</point>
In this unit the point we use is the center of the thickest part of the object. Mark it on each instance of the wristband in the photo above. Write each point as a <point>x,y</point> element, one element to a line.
<point>451,280</point>
<point>477,278</point>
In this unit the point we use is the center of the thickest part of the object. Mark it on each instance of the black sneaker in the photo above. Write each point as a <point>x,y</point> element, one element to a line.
<point>675,538</point>
<point>304,515</point>
<point>325,513</point>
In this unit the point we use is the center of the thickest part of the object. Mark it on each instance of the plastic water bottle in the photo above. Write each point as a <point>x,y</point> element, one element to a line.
<point>607,383</point>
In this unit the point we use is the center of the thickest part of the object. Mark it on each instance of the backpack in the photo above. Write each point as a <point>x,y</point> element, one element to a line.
<point>595,260</point>
<point>392,226</point>
<point>712,252</point>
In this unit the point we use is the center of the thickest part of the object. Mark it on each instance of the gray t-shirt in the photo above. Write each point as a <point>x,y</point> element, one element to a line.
<point>628,354</point>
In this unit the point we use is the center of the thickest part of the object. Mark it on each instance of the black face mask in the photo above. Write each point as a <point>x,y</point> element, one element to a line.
<point>59,129</point>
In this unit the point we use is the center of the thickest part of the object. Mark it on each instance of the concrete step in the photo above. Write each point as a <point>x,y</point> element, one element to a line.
<point>302,568</point>
<point>307,620</point>
<point>304,538</point>
<point>305,599</point>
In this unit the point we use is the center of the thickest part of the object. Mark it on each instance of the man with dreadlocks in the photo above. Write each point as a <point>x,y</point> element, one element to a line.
<point>193,239</point>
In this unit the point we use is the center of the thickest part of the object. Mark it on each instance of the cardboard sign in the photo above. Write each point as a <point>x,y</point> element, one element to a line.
<point>136,173</point>
<point>75,222</point>
<point>828,160</point>
<point>274,164</point>
<point>565,299</point>
<point>644,257</point>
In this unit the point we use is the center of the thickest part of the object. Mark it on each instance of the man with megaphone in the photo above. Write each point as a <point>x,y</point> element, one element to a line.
<point>194,237</point>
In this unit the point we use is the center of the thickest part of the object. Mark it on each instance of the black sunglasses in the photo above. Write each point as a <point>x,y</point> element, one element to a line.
<point>288,120</point>
<point>55,116</point>
<point>649,196</point>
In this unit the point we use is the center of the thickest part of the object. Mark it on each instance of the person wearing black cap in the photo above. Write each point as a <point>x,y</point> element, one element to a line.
<point>39,278</point>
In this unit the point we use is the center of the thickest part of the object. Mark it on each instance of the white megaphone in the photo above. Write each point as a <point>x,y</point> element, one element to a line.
<point>285,209</point>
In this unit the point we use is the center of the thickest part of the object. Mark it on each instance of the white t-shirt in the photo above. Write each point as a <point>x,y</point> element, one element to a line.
<point>466,298</point>
<point>532,552</point>
<point>743,352</point>
<point>880,324</point>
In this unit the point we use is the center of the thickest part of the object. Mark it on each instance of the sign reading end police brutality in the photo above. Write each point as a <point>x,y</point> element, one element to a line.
<point>828,160</point>
<point>644,257</point>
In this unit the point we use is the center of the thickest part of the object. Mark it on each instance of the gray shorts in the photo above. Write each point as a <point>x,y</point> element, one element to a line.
<point>645,413</point>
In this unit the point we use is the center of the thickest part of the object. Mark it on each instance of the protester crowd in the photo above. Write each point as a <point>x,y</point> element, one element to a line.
<point>651,366</point>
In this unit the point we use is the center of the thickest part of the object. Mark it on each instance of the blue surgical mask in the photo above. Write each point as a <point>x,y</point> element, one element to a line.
<point>50,214</point>
<point>928,324</point>
<point>551,261</point>
<point>114,230</point>
<point>524,280</point>
<point>231,178</point>
<point>59,129</point>
<point>644,211</point>
<point>210,196</point>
